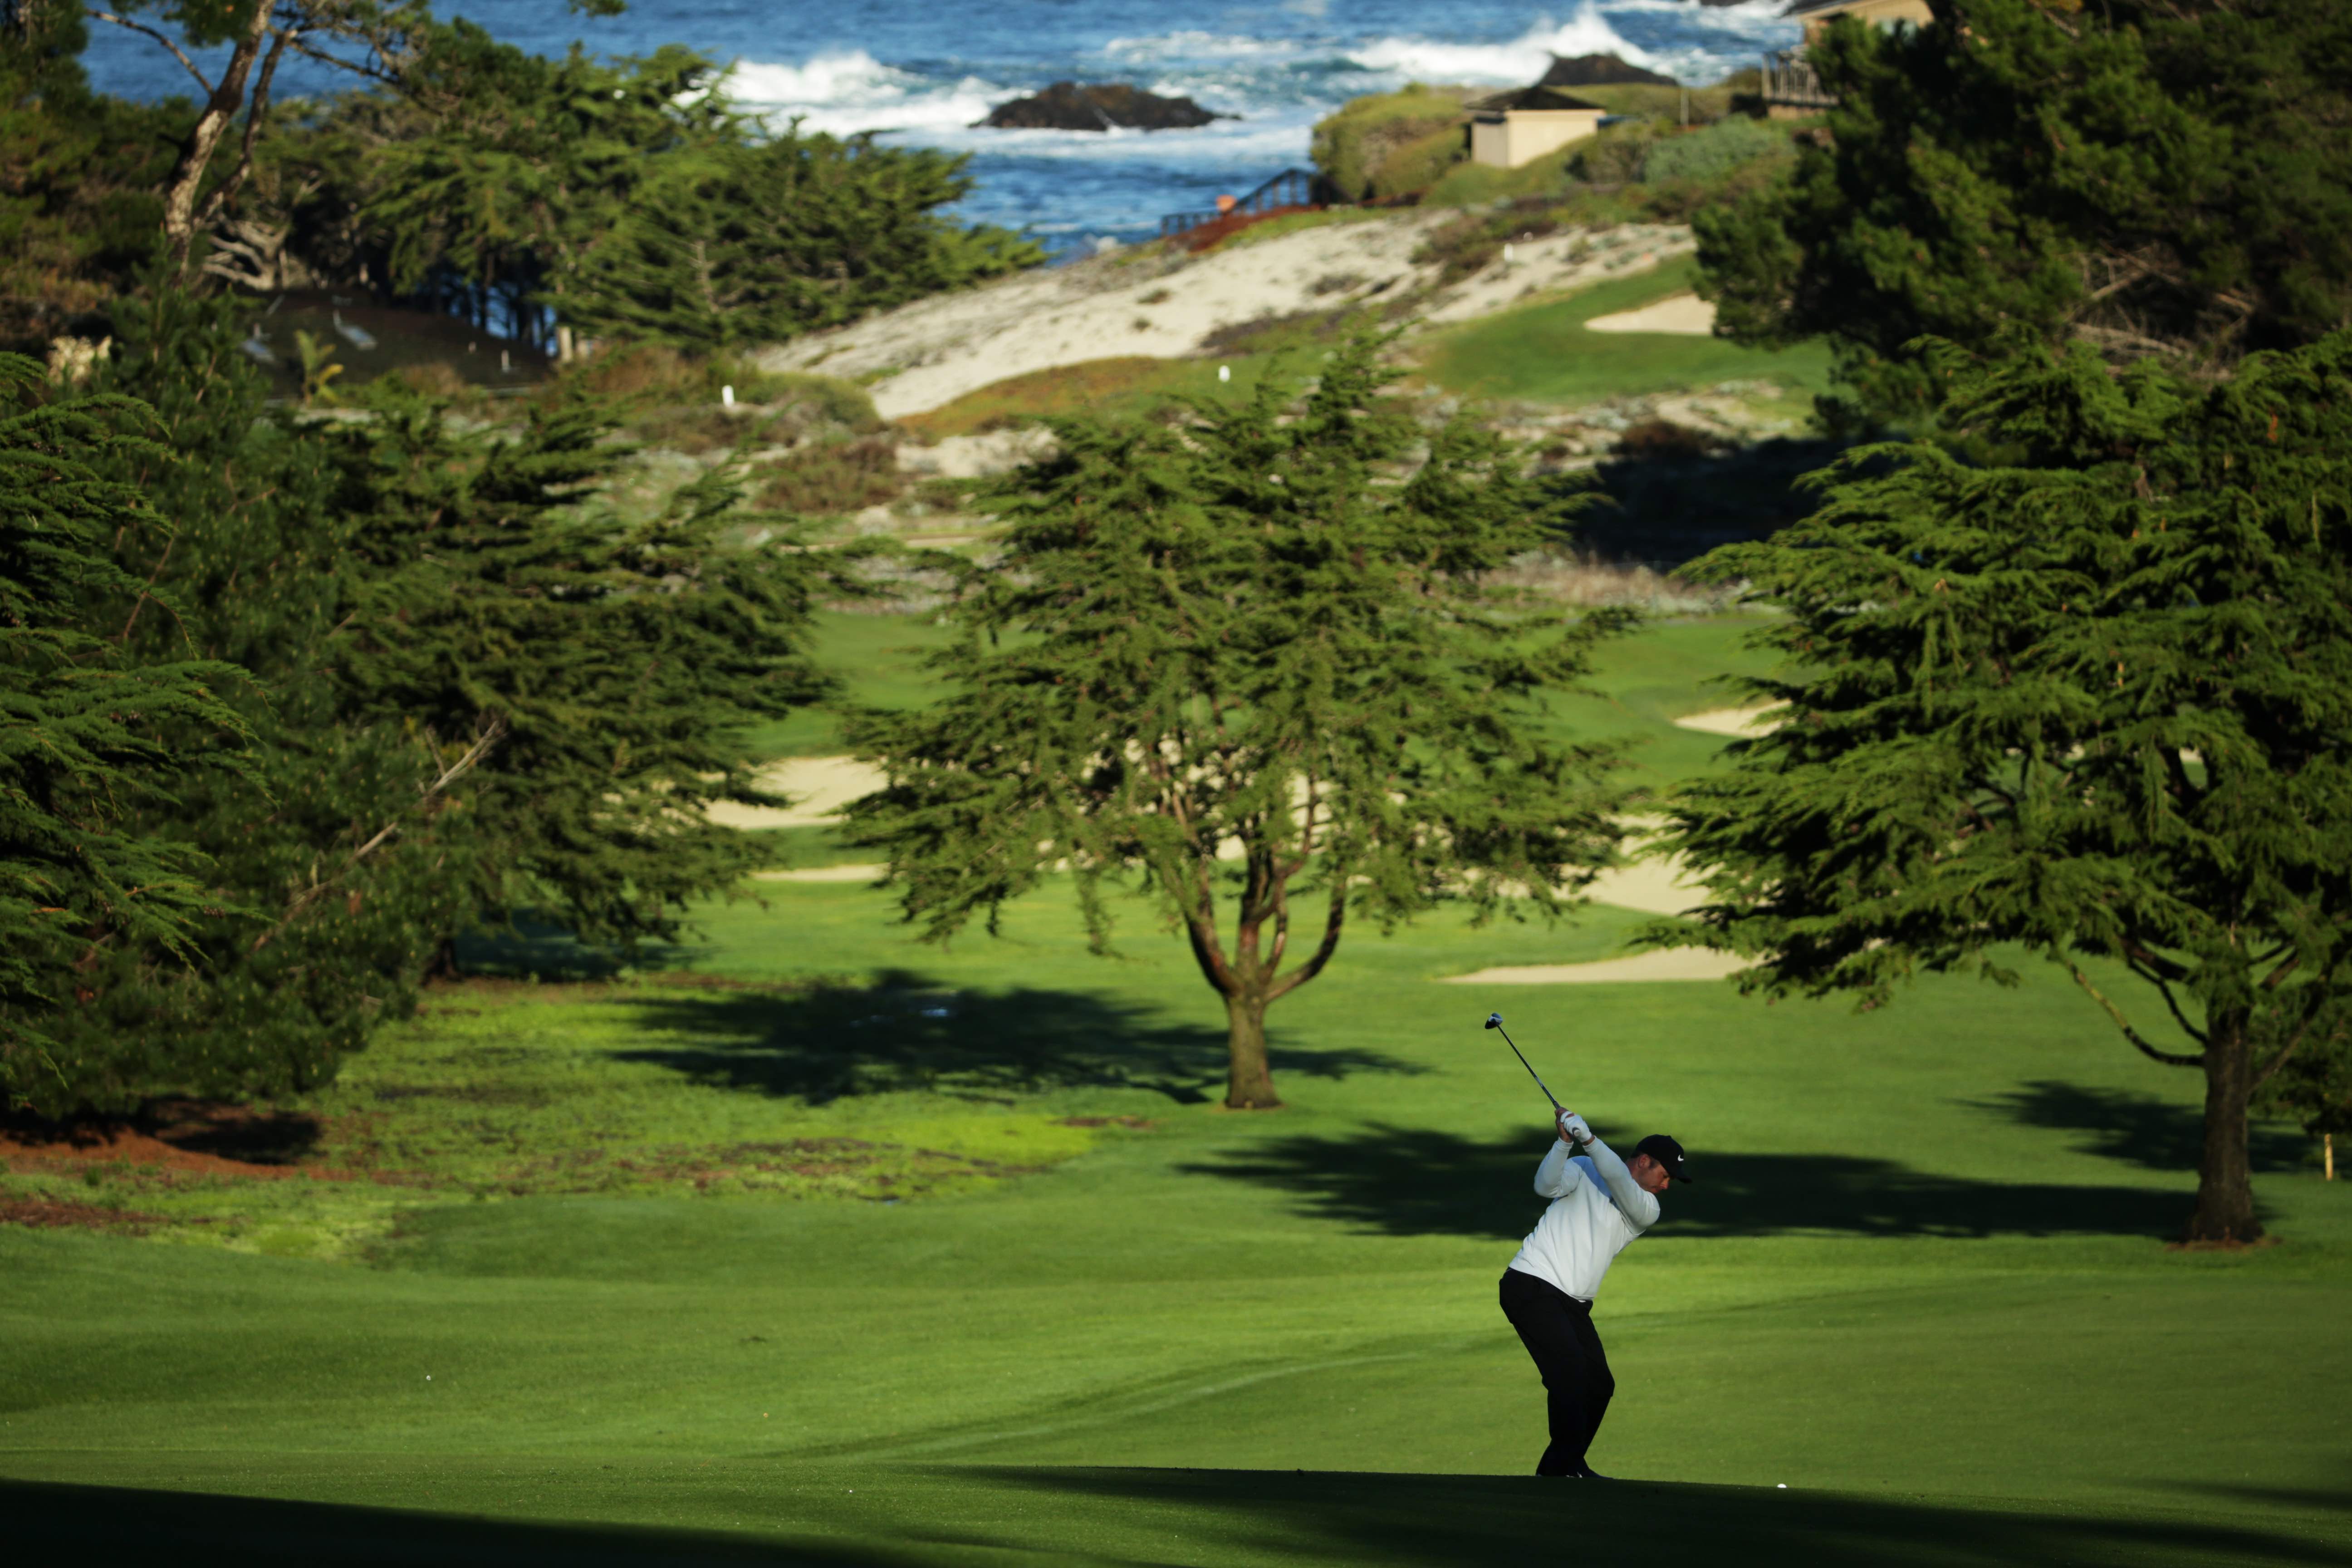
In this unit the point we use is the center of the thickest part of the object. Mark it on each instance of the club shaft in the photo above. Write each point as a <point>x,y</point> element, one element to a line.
<point>1556,1105</point>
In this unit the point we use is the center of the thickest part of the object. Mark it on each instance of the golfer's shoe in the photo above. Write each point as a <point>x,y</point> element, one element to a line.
<point>1586,1473</point>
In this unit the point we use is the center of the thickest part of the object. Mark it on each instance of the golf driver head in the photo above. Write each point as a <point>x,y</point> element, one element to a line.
<point>1494,1020</point>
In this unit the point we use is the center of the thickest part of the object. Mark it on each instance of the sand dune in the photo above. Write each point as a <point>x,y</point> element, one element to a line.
<point>935,350</point>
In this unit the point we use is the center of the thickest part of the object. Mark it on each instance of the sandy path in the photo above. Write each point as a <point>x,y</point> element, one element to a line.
<point>1670,963</point>
<point>935,350</point>
<point>1685,315</point>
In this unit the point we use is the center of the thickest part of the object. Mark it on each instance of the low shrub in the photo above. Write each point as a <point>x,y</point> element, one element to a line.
<point>1713,152</point>
<point>1615,156</point>
<point>831,479</point>
<point>827,398</point>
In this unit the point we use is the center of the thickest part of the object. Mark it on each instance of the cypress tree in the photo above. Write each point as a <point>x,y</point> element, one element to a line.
<point>321,920</point>
<point>92,738</point>
<point>2093,701</point>
<point>2149,177</point>
<point>594,675</point>
<point>1242,666</point>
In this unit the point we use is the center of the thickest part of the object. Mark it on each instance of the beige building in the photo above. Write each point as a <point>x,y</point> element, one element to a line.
<point>1515,128</point>
<point>1792,90</point>
<point>1820,14</point>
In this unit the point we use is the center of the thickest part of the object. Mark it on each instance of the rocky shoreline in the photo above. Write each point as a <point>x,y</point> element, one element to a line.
<point>1099,106</point>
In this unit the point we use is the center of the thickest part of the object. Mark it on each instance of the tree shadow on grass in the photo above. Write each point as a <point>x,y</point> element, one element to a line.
<point>1412,1520</point>
<point>905,1031</point>
<point>2139,1128</point>
<point>1412,1181</point>
<point>1140,1516</point>
<point>56,1522</point>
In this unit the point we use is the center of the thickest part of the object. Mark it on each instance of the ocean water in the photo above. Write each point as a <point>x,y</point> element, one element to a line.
<point>920,72</point>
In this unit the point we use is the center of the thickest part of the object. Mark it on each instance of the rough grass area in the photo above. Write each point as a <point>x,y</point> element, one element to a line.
<point>1123,387</point>
<point>1541,353</point>
<point>1923,1281</point>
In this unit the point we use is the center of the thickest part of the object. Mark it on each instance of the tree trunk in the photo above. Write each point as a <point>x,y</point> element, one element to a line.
<point>196,151</point>
<point>1250,1082</point>
<point>2225,1190</point>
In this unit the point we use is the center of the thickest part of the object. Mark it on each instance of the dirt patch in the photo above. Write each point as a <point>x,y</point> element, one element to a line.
<point>52,1214</point>
<point>2228,1245</point>
<point>177,1141</point>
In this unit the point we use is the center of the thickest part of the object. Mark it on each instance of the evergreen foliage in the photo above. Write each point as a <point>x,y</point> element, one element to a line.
<point>78,173</point>
<point>630,198</point>
<point>312,941</point>
<point>475,692</point>
<point>90,735</point>
<point>598,673</point>
<point>2094,699</point>
<point>1239,664</point>
<point>2150,177</point>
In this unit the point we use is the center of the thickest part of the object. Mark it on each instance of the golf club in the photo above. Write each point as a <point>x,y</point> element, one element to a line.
<point>1495,1022</point>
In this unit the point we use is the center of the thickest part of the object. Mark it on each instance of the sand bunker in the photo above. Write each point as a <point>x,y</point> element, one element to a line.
<point>1741,723</point>
<point>1670,963</point>
<point>823,874</point>
<point>820,787</point>
<point>1686,315</point>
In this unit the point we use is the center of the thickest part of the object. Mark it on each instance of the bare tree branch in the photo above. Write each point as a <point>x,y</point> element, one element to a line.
<point>2169,1059</point>
<point>490,737</point>
<point>158,37</point>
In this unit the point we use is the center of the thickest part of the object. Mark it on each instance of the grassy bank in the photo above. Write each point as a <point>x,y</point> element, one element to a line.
<point>1542,352</point>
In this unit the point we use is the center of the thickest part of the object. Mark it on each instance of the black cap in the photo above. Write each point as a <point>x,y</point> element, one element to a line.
<point>1666,1153</point>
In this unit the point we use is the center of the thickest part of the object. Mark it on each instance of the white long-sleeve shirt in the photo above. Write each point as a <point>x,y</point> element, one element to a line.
<point>1596,1209</point>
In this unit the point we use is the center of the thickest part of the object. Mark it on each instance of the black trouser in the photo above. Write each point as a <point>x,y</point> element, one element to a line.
<point>1558,1330</point>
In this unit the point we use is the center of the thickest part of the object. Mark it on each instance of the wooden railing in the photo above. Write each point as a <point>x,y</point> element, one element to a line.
<point>1293,190</point>
<point>1791,81</point>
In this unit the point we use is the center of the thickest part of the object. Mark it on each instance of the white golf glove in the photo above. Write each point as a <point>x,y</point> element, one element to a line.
<point>1572,1127</point>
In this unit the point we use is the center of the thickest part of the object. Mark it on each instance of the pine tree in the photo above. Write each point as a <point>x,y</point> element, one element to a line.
<point>598,673</point>
<point>2093,701</point>
<point>89,735</point>
<point>330,866</point>
<point>1243,664</point>
<point>2150,177</point>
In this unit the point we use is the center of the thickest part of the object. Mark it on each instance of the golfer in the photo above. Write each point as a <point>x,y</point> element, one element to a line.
<point>1599,1203</point>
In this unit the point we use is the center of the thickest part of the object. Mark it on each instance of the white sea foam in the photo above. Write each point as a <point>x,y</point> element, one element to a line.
<point>849,90</point>
<point>1523,59</point>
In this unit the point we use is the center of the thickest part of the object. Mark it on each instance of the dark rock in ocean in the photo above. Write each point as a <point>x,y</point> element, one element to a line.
<point>1099,106</point>
<point>1600,70</point>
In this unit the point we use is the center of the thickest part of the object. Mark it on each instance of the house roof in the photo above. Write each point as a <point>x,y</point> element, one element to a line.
<point>1529,98</point>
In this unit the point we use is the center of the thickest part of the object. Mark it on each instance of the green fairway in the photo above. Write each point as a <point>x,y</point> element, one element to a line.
<point>1543,354</point>
<point>811,1244</point>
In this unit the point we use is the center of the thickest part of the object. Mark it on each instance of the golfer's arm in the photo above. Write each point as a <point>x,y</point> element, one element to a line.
<point>1558,1176</point>
<point>1639,1206</point>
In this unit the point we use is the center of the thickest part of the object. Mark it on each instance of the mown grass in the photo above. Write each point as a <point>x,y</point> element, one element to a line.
<point>1542,352</point>
<point>1922,1282</point>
